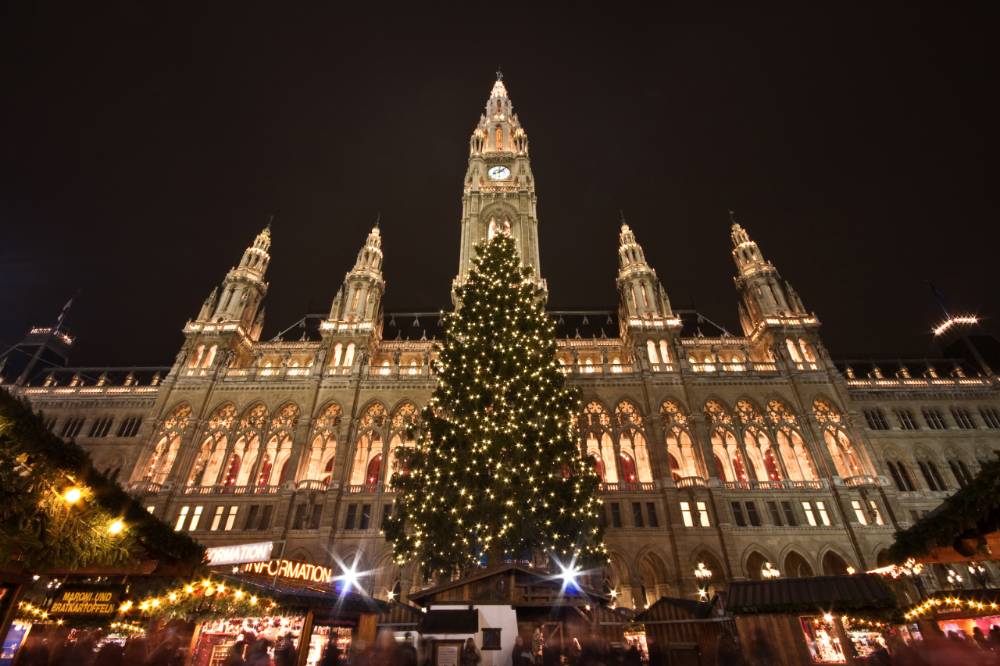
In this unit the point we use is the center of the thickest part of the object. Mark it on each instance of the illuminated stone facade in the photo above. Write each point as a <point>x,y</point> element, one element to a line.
<point>742,452</point>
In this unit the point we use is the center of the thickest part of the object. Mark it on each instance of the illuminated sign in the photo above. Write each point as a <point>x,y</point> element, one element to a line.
<point>304,571</point>
<point>86,601</point>
<point>240,553</point>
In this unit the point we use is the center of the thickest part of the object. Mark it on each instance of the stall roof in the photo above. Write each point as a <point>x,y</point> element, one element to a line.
<point>478,588</point>
<point>352,603</point>
<point>820,593</point>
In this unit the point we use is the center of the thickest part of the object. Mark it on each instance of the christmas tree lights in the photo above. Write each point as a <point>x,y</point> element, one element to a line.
<point>497,473</point>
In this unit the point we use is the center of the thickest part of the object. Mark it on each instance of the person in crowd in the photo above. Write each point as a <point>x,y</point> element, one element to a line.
<point>331,653</point>
<point>980,638</point>
<point>521,656</point>
<point>470,653</point>
<point>573,653</point>
<point>537,644</point>
<point>257,653</point>
<point>34,652</point>
<point>656,655</point>
<point>135,651</point>
<point>407,651</point>
<point>235,655</point>
<point>632,656</point>
<point>995,637</point>
<point>284,651</point>
<point>110,654</point>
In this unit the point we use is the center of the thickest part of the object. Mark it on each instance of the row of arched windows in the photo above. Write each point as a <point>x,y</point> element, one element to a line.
<point>747,444</point>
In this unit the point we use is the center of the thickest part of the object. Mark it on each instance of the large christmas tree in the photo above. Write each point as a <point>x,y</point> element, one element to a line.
<point>497,473</point>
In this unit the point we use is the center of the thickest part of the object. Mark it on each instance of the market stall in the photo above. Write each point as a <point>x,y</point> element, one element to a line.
<point>819,620</point>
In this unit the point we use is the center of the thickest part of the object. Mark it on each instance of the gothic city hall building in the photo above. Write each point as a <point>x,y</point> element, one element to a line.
<point>746,454</point>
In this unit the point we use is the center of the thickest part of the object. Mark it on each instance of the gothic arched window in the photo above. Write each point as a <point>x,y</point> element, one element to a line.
<point>168,441</point>
<point>323,448</point>
<point>211,456</point>
<point>369,443</point>
<point>680,446</point>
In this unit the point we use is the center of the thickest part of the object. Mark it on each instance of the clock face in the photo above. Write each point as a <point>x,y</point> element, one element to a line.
<point>499,173</point>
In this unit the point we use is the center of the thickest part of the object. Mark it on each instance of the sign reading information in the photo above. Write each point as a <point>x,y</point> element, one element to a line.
<point>304,571</point>
<point>81,600</point>
<point>240,553</point>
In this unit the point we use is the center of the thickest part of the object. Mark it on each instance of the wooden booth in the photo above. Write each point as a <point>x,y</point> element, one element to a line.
<point>819,620</point>
<point>497,604</point>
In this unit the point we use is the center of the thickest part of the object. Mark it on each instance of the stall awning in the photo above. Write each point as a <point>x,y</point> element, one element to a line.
<point>450,622</point>
<point>330,602</point>
<point>819,594</point>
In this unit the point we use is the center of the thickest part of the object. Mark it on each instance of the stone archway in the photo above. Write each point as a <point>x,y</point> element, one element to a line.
<point>796,566</point>
<point>834,564</point>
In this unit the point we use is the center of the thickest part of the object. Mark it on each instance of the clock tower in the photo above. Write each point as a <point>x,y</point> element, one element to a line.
<point>499,191</point>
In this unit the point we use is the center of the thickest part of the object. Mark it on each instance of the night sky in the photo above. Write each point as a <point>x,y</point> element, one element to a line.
<point>142,151</point>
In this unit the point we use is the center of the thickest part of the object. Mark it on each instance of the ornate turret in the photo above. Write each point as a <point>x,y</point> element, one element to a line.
<point>641,296</point>
<point>232,317</point>
<point>359,300</point>
<point>499,193</point>
<point>763,293</point>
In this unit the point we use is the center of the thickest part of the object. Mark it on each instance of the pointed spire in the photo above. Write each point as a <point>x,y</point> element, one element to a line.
<point>499,89</point>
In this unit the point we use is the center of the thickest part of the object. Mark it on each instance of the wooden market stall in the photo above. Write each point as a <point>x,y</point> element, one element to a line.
<point>823,619</point>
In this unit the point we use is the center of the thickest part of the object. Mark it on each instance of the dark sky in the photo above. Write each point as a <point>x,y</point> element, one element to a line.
<point>143,149</point>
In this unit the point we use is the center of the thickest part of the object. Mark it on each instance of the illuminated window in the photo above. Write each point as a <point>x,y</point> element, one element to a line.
<point>217,518</point>
<point>703,514</point>
<point>810,516</point>
<point>499,138</point>
<point>823,516</point>
<point>876,514</point>
<point>231,518</point>
<point>859,512</point>
<point>686,514</point>
<point>181,518</point>
<point>195,518</point>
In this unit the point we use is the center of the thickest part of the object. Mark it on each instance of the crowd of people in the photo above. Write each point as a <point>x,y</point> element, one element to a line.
<point>89,648</point>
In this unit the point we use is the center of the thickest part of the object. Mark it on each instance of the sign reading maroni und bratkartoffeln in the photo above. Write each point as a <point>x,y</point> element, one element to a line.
<point>85,600</point>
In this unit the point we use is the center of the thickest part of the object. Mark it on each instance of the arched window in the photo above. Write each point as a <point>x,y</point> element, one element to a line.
<point>374,470</point>
<point>845,458</point>
<point>664,351</point>
<point>793,350</point>
<point>655,579</point>
<point>651,352</point>
<point>338,350</point>
<point>632,443</point>
<point>323,448</point>
<point>168,441</point>
<point>595,426</point>
<point>402,434</point>
<point>249,434</point>
<point>680,446</point>
<point>369,444</point>
<point>794,454</point>
<point>834,565</point>
<point>212,455</point>
<point>931,475</point>
<point>755,566</point>
<point>724,443</point>
<point>280,434</point>
<point>796,566</point>
<point>757,443</point>
<point>349,355</point>
<point>629,474</point>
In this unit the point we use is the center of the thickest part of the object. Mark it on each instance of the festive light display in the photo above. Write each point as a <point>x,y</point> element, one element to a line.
<point>950,603</point>
<point>497,473</point>
<point>204,599</point>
